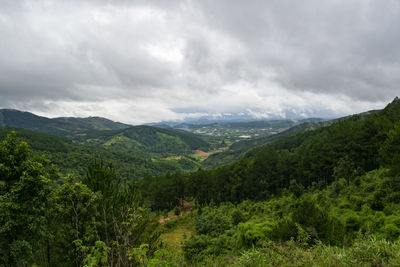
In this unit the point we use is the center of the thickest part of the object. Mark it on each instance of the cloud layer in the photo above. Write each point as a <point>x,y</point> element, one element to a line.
<point>144,61</point>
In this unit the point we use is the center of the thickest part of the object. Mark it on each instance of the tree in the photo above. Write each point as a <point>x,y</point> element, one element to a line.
<point>24,190</point>
<point>122,223</point>
<point>345,169</point>
<point>73,223</point>
<point>390,150</point>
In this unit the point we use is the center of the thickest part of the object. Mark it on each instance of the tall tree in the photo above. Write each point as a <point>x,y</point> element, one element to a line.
<point>24,190</point>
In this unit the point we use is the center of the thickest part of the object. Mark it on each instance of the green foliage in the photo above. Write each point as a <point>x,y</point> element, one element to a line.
<point>56,126</point>
<point>237,150</point>
<point>251,258</point>
<point>177,211</point>
<point>250,233</point>
<point>24,189</point>
<point>73,158</point>
<point>212,222</point>
<point>163,193</point>
<point>49,221</point>
<point>315,222</point>
<point>108,140</point>
<point>166,257</point>
<point>139,254</point>
<point>365,251</point>
<point>124,224</point>
<point>390,150</point>
<point>146,139</point>
<point>72,222</point>
<point>96,255</point>
<point>328,197</point>
<point>312,159</point>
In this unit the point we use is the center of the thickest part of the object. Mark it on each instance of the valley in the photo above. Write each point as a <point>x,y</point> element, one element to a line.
<point>206,195</point>
<point>180,146</point>
<point>199,133</point>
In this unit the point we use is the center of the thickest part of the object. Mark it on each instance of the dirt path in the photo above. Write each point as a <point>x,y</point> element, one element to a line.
<point>187,208</point>
<point>163,220</point>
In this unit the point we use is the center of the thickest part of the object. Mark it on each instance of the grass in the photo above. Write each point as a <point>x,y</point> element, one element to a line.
<point>176,230</point>
<point>175,238</point>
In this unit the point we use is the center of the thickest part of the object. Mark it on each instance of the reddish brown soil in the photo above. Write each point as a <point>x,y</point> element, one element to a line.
<point>201,153</point>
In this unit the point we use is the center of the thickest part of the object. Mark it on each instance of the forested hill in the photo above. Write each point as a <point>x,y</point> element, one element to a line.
<point>106,133</point>
<point>95,123</point>
<point>238,149</point>
<point>325,197</point>
<point>347,148</point>
<point>146,138</point>
<point>73,158</point>
<point>58,126</point>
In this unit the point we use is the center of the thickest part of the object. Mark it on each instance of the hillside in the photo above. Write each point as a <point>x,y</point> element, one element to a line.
<point>93,123</point>
<point>74,158</point>
<point>146,138</point>
<point>351,223</point>
<point>108,134</point>
<point>357,144</point>
<point>313,156</point>
<point>327,196</point>
<point>68,127</point>
<point>236,150</point>
<point>323,197</point>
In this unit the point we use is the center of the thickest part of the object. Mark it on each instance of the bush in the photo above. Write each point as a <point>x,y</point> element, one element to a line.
<point>212,222</point>
<point>195,246</point>
<point>250,233</point>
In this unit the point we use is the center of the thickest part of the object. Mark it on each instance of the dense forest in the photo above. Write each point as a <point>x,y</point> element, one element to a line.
<point>328,196</point>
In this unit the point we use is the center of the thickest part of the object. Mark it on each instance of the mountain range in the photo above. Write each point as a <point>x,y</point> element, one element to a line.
<point>104,132</point>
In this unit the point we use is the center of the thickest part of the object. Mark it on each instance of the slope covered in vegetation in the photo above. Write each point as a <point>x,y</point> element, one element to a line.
<point>237,150</point>
<point>327,197</point>
<point>345,149</point>
<point>147,139</point>
<point>108,134</point>
<point>68,127</point>
<point>73,158</point>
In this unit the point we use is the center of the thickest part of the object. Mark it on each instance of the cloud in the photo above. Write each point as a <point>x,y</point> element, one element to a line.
<point>143,61</point>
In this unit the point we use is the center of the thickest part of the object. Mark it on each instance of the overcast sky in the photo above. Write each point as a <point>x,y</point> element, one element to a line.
<point>145,61</point>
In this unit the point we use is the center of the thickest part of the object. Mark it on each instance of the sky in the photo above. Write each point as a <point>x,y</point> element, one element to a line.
<point>148,61</point>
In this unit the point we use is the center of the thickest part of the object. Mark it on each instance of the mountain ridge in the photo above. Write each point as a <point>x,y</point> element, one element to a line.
<point>100,131</point>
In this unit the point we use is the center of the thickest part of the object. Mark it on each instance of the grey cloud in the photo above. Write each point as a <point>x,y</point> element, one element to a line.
<point>345,47</point>
<point>184,53</point>
<point>55,62</point>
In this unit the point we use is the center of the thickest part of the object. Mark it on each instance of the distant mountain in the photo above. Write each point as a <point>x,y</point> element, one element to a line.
<point>67,127</point>
<point>254,124</point>
<point>227,118</point>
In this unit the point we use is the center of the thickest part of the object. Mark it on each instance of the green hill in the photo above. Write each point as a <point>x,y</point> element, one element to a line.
<point>74,158</point>
<point>327,196</point>
<point>349,146</point>
<point>238,149</point>
<point>94,123</point>
<point>68,127</point>
<point>146,138</point>
<point>323,197</point>
<point>106,133</point>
